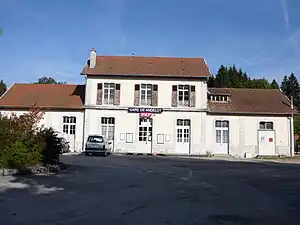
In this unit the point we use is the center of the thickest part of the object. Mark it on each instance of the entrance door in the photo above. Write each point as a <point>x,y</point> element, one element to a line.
<point>266,138</point>
<point>266,142</point>
<point>222,137</point>
<point>69,131</point>
<point>108,130</point>
<point>145,135</point>
<point>183,136</point>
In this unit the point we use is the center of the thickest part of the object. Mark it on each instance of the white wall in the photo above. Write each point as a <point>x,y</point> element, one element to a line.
<point>243,134</point>
<point>54,119</point>
<point>127,90</point>
<point>164,123</point>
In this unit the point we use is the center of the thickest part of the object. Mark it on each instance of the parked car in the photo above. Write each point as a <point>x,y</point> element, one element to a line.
<point>65,145</point>
<point>97,145</point>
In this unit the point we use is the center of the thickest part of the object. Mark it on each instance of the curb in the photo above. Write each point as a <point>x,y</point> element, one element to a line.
<point>33,170</point>
<point>72,153</point>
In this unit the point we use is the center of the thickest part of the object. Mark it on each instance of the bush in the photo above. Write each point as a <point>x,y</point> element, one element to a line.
<point>23,143</point>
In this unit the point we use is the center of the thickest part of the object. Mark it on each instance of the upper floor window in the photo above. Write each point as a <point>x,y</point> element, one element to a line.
<point>184,95</point>
<point>146,94</point>
<point>218,98</point>
<point>266,125</point>
<point>69,125</point>
<point>108,94</point>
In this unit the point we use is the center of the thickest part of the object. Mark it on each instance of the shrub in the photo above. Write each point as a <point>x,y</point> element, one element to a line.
<point>23,143</point>
<point>52,145</point>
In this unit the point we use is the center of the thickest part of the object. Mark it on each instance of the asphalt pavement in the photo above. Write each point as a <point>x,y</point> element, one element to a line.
<point>147,190</point>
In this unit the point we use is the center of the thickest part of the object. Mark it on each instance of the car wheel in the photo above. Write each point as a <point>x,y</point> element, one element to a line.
<point>86,154</point>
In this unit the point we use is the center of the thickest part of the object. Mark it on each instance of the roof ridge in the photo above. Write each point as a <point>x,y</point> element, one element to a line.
<point>256,89</point>
<point>45,84</point>
<point>158,57</point>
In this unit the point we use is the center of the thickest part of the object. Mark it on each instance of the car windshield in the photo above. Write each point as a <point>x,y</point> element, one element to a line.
<point>96,139</point>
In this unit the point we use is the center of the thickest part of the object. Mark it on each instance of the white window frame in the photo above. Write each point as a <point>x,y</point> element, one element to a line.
<point>183,127</point>
<point>146,94</point>
<point>267,125</point>
<point>69,125</point>
<point>109,93</point>
<point>108,127</point>
<point>219,98</point>
<point>184,91</point>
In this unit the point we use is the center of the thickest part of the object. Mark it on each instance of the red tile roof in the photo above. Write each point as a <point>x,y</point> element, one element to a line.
<point>71,96</point>
<point>54,96</point>
<point>148,66</point>
<point>263,101</point>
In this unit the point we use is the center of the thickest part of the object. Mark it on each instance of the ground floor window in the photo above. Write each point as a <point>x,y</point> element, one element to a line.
<point>108,127</point>
<point>183,130</point>
<point>145,129</point>
<point>69,125</point>
<point>266,125</point>
<point>222,131</point>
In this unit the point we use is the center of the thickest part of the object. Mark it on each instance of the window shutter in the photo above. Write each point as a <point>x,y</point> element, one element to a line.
<point>174,95</point>
<point>99,94</point>
<point>192,96</point>
<point>136,95</point>
<point>117,94</point>
<point>154,95</point>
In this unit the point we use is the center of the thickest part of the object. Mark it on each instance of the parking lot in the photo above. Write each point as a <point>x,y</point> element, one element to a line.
<point>154,190</point>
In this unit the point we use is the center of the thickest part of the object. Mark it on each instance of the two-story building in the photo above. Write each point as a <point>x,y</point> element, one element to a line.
<point>147,104</point>
<point>160,105</point>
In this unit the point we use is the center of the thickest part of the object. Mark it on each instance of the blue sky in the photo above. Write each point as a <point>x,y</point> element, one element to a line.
<point>53,38</point>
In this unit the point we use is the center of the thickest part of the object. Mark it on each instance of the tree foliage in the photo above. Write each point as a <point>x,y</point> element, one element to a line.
<point>24,143</point>
<point>3,87</point>
<point>48,80</point>
<point>232,77</point>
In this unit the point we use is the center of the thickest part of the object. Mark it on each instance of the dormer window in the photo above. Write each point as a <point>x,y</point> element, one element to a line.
<point>219,98</point>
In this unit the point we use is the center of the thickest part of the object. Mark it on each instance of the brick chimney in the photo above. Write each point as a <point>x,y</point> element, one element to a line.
<point>92,58</point>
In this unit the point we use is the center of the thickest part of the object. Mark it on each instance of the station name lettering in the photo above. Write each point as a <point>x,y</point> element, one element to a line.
<point>145,110</point>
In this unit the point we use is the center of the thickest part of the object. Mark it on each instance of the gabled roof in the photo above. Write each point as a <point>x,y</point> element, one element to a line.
<point>71,96</point>
<point>259,101</point>
<point>148,66</point>
<point>51,96</point>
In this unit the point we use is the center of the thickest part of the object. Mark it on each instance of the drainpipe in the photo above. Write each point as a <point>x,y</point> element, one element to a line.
<point>292,150</point>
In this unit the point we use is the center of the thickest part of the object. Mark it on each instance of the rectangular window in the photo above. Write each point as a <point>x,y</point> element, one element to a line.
<point>218,98</point>
<point>109,93</point>
<point>263,125</point>
<point>108,127</point>
<point>145,129</point>
<point>69,125</point>
<point>183,95</point>
<point>222,123</point>
<point>146,94</point>
<point>218,136</point>
<point>183,130</point>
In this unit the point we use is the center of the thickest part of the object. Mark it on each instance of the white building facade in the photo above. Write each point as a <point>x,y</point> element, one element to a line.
<point>153,105</point>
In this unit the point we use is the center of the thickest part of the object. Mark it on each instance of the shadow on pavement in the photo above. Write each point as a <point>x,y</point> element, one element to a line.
<point>111,190</point>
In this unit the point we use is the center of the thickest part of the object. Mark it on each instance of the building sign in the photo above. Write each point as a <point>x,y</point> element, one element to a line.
<point>145,110</point>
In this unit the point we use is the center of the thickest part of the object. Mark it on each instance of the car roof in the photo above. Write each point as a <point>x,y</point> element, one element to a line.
<point>96,135</point>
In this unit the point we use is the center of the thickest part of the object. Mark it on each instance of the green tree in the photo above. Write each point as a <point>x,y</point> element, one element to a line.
<point>48,80</point>
<point>233,77</point>
<point>290,87</point>
<point>3,87</point>
<point>259,83</point>
<point>274,84</point>
<point>211,82</point>
<point>222,78</point>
